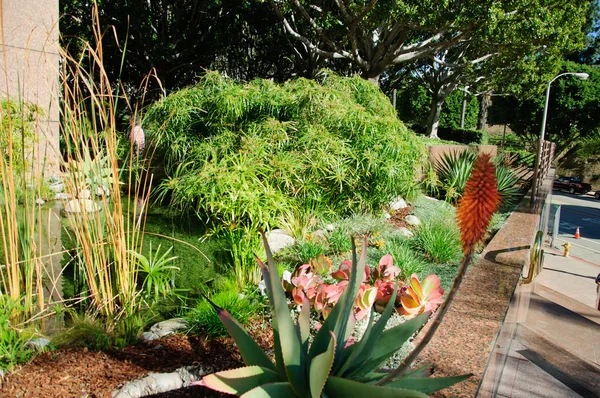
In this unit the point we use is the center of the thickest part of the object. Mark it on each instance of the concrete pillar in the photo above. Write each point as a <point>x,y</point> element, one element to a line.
<point>29,69</point>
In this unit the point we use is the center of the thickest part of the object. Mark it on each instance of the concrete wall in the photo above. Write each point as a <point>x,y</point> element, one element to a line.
<point>437,151</point>
<point>29,69</point>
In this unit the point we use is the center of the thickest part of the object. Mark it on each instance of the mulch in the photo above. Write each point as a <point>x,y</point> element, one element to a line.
<point>79,372</point>
<point>397,217</point>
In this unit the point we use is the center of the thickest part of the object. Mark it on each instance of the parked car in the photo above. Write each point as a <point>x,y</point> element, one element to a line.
<point>597,195</point>
<point>572,184</point>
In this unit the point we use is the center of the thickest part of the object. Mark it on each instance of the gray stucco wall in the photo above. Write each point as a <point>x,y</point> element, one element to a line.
<point>29,69</point>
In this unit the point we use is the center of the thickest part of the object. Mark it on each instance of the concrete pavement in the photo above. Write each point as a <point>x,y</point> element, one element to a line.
<point>556,351</point>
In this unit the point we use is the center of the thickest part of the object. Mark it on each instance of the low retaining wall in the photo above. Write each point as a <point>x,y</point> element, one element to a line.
<point>470,331</point>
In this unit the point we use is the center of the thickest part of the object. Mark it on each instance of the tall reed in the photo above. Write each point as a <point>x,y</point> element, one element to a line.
<point>108,234</point>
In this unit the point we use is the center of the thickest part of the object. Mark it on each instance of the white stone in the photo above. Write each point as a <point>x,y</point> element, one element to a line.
<point>57,187</point>
<point>279,239</point>
<point>40,201</point>
<point>39,343</point>
<point>286,276</point>
<point>398,203</point>
<point>386,215</point>
<point>102,191</point>
<point>330,227</point>
<point>62,196</point>
<point>405,232</point>
<point>77,206</point>
<point>84,194</point>
<point>412,220</point>
<point>262,288</point>
<point>164,328</point>
<point>430,198</point>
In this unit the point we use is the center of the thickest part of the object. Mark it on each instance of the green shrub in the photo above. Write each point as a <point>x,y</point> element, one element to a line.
<point>203,319</point>
<point>339,241</point>
<point>308,249</point>
<point>14,348</point>
<point>464,136</point>
<point>439,242</point>
<point>245,153</point>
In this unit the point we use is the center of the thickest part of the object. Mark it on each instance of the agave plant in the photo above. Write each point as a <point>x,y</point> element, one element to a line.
<point>453,170</point>
<point>330,366</point>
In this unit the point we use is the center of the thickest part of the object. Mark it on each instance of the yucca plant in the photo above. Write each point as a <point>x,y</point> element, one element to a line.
<point>508,186</point>
<point>330,366</point>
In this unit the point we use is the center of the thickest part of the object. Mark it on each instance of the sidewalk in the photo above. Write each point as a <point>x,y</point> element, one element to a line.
<point>571,277</point>
<point>556,351</point>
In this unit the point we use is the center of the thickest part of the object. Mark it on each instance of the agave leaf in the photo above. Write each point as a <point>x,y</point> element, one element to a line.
<point>276,341</point>
<point>427,385</point>
<point>390,341</point>
<point>238,381</point>
<point>304,324</point>
<point>251,352</point>
<point>271,390</point>
<point>343,388</point>
<point>337,321</point>
<point>362,351</point>
<point>291,348</point>
<point>320,366</point>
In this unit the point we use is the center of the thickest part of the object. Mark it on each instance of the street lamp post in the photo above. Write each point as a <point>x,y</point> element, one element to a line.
<point>536,170</point>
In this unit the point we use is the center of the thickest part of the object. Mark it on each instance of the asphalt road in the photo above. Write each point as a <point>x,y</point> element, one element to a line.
<point>581,211</point>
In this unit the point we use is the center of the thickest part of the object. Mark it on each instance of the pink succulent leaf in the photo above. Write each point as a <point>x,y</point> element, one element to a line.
<point>298,295</point>
<point>366,298</point>
<point>430,284</point>
<point>343,272</point>
<point>349,342</point>
<point>416,285</point>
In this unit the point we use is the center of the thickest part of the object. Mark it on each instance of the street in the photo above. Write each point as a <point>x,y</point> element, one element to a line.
<point>581,211</point>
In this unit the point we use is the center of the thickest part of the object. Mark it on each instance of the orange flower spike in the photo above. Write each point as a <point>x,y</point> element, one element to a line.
<point>478,203</point>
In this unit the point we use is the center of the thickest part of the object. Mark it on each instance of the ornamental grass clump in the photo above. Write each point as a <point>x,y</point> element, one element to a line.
<point>329,365</point>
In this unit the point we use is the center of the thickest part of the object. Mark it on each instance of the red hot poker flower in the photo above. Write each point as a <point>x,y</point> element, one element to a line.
<point>478,203</point>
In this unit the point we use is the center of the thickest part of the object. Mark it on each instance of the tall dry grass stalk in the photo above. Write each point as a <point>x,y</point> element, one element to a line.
<point>22,270</point>
<point>109,232</point>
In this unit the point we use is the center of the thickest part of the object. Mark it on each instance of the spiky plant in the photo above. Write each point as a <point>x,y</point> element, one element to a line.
<point>329,367</point>
<point>453,170</point>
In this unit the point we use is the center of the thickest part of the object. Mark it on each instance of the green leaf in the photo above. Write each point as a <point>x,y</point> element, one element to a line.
<point>251,352</point>
<point>271,390</point>
<point>291,347</point>
<point>238,381</point>
<point>343,388</point>
<point>390,342</point>
<point>304,324</point>
<point>363,349</point>
<point>276,341</point>
<point>320,366</point>
<point>427,385</point>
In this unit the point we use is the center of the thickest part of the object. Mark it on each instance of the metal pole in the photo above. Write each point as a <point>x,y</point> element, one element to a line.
<point>536,170</point>
<point>394,98</point>
<point>464,109</point>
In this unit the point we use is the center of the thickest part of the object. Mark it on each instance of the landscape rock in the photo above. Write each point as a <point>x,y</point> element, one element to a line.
<point>84,194</point>
<point>40,201</point>
<point>156,383</point>
<point>77,206</point>
<point>279,239</point>
<point>39,343</point>
<point>62,196</point>
<point>386,215</point>
<point>320,234</point>
<point>412,220</point>
<point>398,204</point>
<point>102,191</point>
<point>330,227</point>
<point>164,328</point>
<point>405,232</point>
<point>430,198</point>
<point>57,187</point>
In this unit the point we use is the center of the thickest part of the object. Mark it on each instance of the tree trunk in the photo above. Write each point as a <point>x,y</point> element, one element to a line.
<point>434,117</point>
<point>374,80</point>
<point>486,101</point>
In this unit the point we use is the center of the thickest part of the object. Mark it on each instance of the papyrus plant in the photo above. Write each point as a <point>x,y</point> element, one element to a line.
<point>328,366</point>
